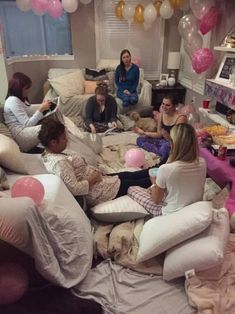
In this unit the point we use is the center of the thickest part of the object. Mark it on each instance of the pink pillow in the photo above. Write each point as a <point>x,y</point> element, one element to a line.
<point>90,87</point>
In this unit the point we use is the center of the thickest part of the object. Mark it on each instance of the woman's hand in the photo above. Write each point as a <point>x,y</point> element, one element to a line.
<point>92,127</point>
<point>94,178</point>
<point>165,134</point>
<point>45,105</point>
<point>126,91</point>
<point>114,124</point>
<point>138,130</point>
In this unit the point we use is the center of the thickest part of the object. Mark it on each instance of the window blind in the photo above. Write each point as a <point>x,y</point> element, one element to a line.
<point>114,35</point>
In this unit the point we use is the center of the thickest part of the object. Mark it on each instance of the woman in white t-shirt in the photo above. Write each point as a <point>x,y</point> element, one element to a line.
<point>181,180</point>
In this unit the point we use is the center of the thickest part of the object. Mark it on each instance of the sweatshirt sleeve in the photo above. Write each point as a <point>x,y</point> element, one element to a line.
<point>17,107</point>
<point>89,110</point>
<point>136,75</point>
<point>65,171</point>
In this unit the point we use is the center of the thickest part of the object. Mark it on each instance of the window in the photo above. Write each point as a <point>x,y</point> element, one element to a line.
<point>25,33</point>
<point>113,35</point>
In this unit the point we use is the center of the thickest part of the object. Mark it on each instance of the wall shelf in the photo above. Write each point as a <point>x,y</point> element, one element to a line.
<point>222,92</point>
<point>225,49</point>
<point>216,117</point>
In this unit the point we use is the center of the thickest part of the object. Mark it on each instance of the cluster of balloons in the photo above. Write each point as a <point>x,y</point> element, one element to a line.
<point>53,7</point>
<point>204,18</point>
<point>147,15</point>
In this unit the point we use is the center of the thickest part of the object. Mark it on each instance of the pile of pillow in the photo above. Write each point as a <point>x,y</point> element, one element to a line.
<point>193,238</point>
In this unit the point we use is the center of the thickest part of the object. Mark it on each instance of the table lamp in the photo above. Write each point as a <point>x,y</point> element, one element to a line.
<point>173,64</point>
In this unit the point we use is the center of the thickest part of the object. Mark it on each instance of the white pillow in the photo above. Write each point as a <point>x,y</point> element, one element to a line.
<point>14,229</point>
<point>201,252</point>
<point>163,232</point>
<point>56,72</point>
<point>108,64</point>
<point>120,209</point>
<point>10,155</point>
<point>69,85</point>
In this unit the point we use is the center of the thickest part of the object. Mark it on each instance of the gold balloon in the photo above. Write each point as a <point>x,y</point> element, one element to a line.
<point>139,14</point>
<point>157,5</point>
<point>119,9</point>
<point>176,4</point>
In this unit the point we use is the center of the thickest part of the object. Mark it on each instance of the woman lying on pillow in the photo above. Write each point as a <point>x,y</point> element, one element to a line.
<point>19,118</point>
<point>79,177</point>
<point>183,177</point>
<point>101,111</point>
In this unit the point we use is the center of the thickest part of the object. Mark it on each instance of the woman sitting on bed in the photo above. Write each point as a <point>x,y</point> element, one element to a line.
<point>101,111</point>
<point>183,177</point>
<point>79,177</point>
<point>158,142</point>
<point>19,117</point>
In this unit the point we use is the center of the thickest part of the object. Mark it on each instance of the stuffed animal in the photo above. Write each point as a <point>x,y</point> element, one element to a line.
<point>146,124</point>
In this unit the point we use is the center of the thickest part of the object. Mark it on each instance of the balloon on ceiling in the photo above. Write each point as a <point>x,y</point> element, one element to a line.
<point>54,8</point>
<point>148,14</point>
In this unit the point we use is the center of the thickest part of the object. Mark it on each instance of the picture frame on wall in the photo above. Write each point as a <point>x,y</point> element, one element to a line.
<point>164,77</point>
<point>226,68</point>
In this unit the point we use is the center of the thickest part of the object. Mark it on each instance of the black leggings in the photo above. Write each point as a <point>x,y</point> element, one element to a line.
<point>127,178</point>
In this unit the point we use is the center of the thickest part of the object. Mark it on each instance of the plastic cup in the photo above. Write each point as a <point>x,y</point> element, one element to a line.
<point>206,103</point>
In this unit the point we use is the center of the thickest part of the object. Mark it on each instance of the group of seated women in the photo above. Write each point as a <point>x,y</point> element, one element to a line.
<point>180,179</point>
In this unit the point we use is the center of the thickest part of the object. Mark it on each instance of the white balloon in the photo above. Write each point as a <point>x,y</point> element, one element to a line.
<point>166,10</point>
<point>201,7</point>
<point>85,1</point>
<point>70,6</point>
<point>150,14</point>
<point>24,5</point>
<point>128,12</point>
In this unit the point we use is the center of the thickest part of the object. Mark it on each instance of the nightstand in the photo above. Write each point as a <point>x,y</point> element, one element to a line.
<point>158,92</point>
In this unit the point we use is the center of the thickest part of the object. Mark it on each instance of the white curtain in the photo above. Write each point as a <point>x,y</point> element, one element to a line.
<point>113,35</point>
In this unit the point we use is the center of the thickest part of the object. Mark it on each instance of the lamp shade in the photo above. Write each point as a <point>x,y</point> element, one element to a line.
<point>173,62</point>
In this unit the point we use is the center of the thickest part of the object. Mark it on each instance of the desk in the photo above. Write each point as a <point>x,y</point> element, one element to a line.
<point>158,92</point>
<point>222,173</point>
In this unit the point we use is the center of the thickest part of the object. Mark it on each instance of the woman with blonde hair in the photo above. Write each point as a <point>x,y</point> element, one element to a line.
<point>181,180</point>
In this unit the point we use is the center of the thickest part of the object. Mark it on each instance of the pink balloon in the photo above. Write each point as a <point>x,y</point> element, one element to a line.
<point>13,283</point>
<point>134,157</point>
<point>202,60</point>
<point>39,6</point>
<point>209,20</point>
<point>55,8</point>
<point>28,186</point>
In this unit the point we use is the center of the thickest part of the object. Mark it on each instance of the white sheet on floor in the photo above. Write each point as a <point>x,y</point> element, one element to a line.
<point>120,291</point>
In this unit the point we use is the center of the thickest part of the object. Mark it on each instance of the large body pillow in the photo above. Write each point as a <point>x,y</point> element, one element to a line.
<point>163,232</point>
<point>201,252</point>
<point>120,209</point>
<point>10,155</point>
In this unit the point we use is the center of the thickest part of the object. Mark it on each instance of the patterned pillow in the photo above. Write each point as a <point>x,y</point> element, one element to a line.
<point>144,198</point>
<point>4,185</point>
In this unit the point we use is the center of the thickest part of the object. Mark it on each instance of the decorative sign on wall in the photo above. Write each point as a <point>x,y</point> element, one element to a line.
<point>227,67</point>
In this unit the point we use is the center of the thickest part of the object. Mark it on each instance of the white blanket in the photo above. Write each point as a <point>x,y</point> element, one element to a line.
<point>60,238</point>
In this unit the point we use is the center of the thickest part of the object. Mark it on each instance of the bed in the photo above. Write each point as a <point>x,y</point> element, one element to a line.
<point>60,238</point>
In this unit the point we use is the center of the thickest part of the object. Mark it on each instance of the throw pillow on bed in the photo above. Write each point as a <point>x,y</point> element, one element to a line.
<point>4,185</point>
<point>90,87</point>
<point>202,251</point>
<point>118,210</point>
<point>69,85</point>
<point>10,155</point>
<point>163,232</point>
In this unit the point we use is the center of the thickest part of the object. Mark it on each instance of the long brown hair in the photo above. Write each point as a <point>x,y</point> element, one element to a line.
<point>122,66</point>
<point>184,143</point>
<point>16,85</point>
